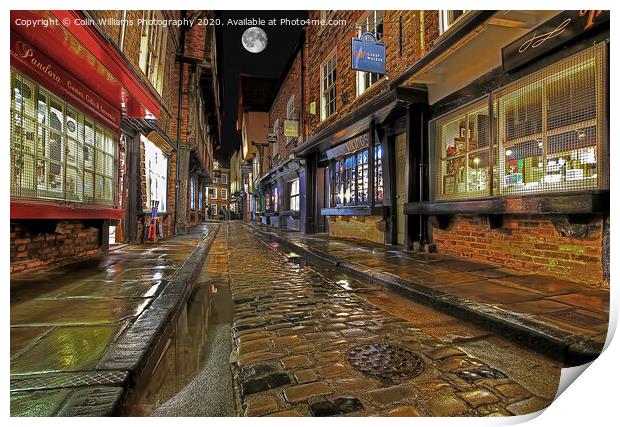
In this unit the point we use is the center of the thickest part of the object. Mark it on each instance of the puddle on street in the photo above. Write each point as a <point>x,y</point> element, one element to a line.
<point>186,350</point>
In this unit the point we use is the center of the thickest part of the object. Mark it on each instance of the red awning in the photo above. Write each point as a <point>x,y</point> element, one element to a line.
<point>88,56</point>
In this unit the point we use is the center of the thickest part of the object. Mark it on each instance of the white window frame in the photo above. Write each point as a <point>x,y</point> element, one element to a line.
<point>213,196</point>
<point>326,68</point>
<point>274,145</point>
<point>294,195</point>
<point>447,20</point>
<point>156,171</point>
<point>363,27</point>
<point>153,48</point>
<point>223,194</point>
<point>224,178</point>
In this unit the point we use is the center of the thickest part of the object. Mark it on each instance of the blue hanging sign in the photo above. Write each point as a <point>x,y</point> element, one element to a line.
<point>367,54</point>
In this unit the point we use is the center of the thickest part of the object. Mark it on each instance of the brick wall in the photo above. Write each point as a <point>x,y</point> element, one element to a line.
<point>291,86</point>
<point>322,42</point>
<point>38,244</point>
<point>528,243</point>
<point>370,228</point>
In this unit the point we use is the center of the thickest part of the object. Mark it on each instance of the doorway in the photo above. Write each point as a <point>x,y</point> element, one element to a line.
<point>401,159</point>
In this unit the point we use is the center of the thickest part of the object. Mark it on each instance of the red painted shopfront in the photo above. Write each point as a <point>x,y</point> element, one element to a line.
<point>69,89</point>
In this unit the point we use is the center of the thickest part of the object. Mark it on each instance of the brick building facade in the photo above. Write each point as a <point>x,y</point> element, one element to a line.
<point>134,69</point>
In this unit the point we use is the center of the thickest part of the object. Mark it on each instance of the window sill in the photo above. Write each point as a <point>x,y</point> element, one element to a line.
<point>585,202</point>
<point>354,211</point>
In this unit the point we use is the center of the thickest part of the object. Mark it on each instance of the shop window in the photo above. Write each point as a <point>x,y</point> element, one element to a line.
<point>156,164</point>
<point>378,174</point>
<point>153,48</point>
<point>192,193</point>
<point>328,87</point>
<point>224,193</point>
<point>549,129</point>
<point>372,23</point>
<point>57,152</point>
<point>350,179</point>
<point>548,135</point>
<point>294,195</point>
<point>448,18</point>
<point>464,156</point>
<point>268,201</point>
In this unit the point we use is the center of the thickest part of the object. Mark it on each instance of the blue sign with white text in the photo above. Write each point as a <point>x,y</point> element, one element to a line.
<point>367,54</point>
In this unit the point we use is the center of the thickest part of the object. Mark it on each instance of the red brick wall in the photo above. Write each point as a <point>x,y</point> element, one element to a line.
<point>291,86</point>
<point>528,243</point>
<point>370,228</point>
<point>32,249</point>
<point>320,43</point>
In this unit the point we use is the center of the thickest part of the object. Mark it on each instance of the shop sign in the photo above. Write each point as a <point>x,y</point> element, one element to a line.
<point>367,54</point>
<point>291,128</point>
<point>246,169</point>
<point>352,145</point>
<point>272,137</point>
<point>51,76</point>
<point>553,33</point>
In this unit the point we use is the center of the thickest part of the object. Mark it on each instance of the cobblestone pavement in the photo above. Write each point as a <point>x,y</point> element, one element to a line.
<point>298,333</point>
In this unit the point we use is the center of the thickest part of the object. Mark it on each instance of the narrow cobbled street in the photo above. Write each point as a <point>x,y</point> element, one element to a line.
<point>312,342</point>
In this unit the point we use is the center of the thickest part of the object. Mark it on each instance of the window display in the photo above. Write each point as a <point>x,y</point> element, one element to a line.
<point>548,128</point>
<point>156,164</point>
<point>464,153</point>
<point>378,174</point>
<point>56,151</point>
<point>547,135</point>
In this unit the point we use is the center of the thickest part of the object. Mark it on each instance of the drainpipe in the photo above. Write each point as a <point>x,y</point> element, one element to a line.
<point>303,92</point>
<point>179,115</point>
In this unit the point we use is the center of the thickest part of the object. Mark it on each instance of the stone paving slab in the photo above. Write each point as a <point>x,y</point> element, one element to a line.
<point>563,319</point>
<point>295,330</point>
<point>67,322</point>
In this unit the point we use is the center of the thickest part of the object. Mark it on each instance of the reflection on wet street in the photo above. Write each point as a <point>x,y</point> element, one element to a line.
<point>192,377</point>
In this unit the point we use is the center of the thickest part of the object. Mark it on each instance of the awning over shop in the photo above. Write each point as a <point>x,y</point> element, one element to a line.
<point>70,41</point>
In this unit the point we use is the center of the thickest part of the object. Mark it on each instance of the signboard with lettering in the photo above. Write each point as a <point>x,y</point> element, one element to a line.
<point>272,137</point>
<point>553,33</point>
<point>352,145</point>
<point>367,54</point>
<point>291,128</point>
<point>50,75</point>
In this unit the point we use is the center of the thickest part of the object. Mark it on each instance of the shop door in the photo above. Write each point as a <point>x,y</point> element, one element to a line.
<point>399,150</point>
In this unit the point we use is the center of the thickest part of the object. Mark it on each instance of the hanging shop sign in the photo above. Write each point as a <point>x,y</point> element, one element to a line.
<point>367,54</point>
<point>352,145</point>
<point>39,67</point>
<point>291,128</point>
<point>272,137</point>
<point>553,33</point>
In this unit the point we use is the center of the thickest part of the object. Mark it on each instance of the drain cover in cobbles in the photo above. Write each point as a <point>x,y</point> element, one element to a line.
<point>386,361</point>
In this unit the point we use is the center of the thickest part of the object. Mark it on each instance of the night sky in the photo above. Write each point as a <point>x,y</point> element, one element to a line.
<point>235,60</point>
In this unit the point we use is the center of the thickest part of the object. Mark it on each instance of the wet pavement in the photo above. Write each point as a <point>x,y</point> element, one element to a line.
<point>312,341</point>
<point>63,321</point>
<point>558,312</point>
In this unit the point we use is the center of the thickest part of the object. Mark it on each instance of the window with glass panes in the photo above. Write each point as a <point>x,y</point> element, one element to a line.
<point>378,174</point>
<point>548,132</point>
<point>550,127</point>
<point>192,193</point>
<point>213,193</point>
<point>372,23</point>
<point>224,193</point>
<point>447,18</point>
<point>328,87</point>
<point>56,151</point>
<point>156,164</point>
<point>294,195</point>
<point>350,180</point>
<point>153,48</point>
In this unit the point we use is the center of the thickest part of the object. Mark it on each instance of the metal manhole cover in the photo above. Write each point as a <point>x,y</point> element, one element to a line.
<point>386,361</point>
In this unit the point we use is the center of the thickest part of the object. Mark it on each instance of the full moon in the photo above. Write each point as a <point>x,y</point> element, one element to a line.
<point>254,40</point>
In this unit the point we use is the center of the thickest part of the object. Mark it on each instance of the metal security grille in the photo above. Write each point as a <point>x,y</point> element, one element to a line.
<point>464,153</point>
<point>548,135</point>
<point>549,127</point>
<point>57,152</point>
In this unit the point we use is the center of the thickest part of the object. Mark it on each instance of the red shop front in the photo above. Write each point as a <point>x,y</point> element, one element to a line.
<point>69,90</point>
